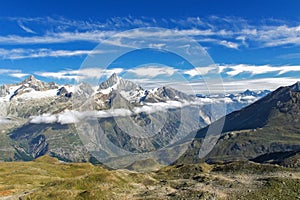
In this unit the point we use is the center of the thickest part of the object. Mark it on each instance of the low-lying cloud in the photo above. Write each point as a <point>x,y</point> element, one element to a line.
<point>72,117</point>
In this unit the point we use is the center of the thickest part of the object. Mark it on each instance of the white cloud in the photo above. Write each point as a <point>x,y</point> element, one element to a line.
<point>99,72</point>
<point>279,35</point>
<point>161,106</point>
<point>15,54</point>
<point>80,74</point>
<point>233,70</point>
<point>258,84</point>
<point>101,36</point>
<point>157,45</point>
<point>68,75</point>
<point>19,75</point>
<point>71,117</point>
<point>232,86</point>
<point>200,71</point>
<point>231,32</point>
<point>229,44</point>
<point>95,36</point>
<point>153,71</point>
<point>44,119</point>
<point>8,71</point>
<point>28,30</point>
<point>13,73</point>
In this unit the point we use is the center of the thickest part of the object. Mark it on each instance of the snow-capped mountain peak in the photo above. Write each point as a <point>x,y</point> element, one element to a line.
<point>32,88</point>
<point>30,79</point>
<point>114,82</point>
<point>136,94</point>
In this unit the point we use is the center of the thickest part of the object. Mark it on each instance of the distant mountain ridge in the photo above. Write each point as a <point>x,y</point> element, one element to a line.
<point>233,101</point>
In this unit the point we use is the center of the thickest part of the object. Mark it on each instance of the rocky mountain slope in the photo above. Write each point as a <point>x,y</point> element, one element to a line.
<point>270,125</point>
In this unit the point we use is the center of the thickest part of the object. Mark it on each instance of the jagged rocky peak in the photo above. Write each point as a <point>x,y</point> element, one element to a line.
<point>114,82</point>
<point>30,79</point>
<point>32,82</point>
<point>172,94</point>
<point>64,92</point>
<point>248,93</point>
<point>296,87</point>
<point>114,76</point>
<point>259,93</point>
<point>110,82</point>
<point>4,90</point>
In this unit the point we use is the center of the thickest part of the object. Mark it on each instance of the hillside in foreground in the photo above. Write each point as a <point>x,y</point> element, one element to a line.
<point>48,178</point>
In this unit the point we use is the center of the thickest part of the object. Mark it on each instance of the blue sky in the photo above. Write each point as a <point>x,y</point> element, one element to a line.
<point>254,44</point>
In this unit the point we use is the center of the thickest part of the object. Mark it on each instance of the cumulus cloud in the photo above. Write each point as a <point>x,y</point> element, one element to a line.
<point>44,119</point>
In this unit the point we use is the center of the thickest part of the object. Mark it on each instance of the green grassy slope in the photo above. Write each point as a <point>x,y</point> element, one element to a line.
<point>48,178</point>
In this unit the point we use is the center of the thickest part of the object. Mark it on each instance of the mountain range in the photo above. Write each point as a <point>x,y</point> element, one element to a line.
<point>33,97</point>
<point>41,118</point>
